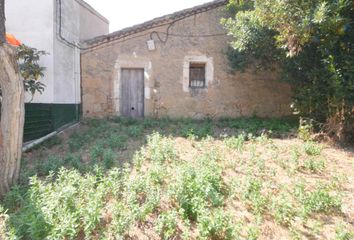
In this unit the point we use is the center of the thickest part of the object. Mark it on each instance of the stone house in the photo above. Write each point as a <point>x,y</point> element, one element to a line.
<point>175,66</point>
<point>57,27</point>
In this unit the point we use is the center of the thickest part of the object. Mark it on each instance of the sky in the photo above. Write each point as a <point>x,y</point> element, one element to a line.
<point>126,13</point>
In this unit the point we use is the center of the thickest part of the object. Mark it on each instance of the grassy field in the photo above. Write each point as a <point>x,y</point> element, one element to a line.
<point>169,179</point>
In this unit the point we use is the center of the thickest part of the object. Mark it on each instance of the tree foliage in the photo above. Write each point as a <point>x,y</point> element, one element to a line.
<point>311,41</point>
<point>30,69</point>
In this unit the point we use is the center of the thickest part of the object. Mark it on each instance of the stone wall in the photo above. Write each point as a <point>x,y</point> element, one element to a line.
<point>166,74</point>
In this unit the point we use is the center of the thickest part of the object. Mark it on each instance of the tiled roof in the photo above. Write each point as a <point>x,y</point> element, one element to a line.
<point>157,22</point>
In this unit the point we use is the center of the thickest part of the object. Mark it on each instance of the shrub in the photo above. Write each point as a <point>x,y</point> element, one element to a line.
<point>135,131</point>
<point>108,158</point>
<point>312,148</point>
<point>252,195</point>
<point>121,220</point>
<point>314,165</point>
<point>283,210</point>
<point>316,60</point>
<point>97,152</point>
<point>60,209</point>
<point>321,200</point>
<point>235,142</point>
<point>305,129</point>
<point>197,187</point>
<point>216,225</point>
<point>166,225</point>
<point>116,141</point>
<point>253,233</point>
<point>52,164</point>
<point>197,130</point>
<point>160,149</point>
<point>343,232</point>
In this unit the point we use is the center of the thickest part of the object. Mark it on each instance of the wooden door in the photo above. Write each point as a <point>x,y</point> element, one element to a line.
<point>132,96</point>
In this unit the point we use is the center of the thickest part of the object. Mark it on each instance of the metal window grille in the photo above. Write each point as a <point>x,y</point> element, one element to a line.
<point>197,75</point>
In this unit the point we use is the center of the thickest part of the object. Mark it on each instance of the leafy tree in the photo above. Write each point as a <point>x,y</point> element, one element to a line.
<point>311,42</point>
<point>30,69</point>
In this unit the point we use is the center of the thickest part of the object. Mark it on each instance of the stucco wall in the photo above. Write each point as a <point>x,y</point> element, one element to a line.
<point>227,94</point>
<point>66,60</point>
<point>34,27</point>
<point>92,24</point>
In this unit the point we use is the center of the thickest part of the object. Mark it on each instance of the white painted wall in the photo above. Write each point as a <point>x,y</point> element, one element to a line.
<point>66,69</point>
<point>36,24</point>
<point>31,21</point>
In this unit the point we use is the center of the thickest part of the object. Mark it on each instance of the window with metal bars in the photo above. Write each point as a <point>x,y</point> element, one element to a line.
<point>197,75</point>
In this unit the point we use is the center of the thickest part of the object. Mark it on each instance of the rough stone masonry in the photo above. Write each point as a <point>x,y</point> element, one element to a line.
<point>192,35</point>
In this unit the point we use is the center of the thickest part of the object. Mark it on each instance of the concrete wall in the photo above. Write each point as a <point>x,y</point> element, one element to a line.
<point>34,27</point>
<point>92,23</point>
<point>227,94</point>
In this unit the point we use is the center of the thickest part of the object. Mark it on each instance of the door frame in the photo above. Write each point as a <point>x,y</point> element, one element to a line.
<point>131,62</point>
<point>143,88</point>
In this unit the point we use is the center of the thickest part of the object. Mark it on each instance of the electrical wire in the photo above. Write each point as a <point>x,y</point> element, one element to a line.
<point>167,32</point>
<point>114,40</point>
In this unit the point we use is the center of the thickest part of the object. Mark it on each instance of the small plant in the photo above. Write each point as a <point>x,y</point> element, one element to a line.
<point>160,149</point>
<point>318,201</point>
<point>197,131</point>
<point>216,225</point>
<point>108,158</point>
<point>253,233</point>
<point>197,187</point>
<point>253,196</point>
<point>313,149</point>
<point>121,220</point>
<point>305,129</point>
<point>74,161</point>
<point>97,152</point>
<point>52,164</point>
<point>135,131</point>
<point>76,141</point>
<point>150,123</point>
<point>236,142</point>
<point>166,225</point>
<point>343,232</point>
<point>116,141</point>
<point>294,160</point>
<point>283,210</point>
<point>314,165</point>
<point>188,132</point>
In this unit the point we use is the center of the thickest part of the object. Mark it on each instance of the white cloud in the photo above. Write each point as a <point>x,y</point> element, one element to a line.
<point>125,13</point>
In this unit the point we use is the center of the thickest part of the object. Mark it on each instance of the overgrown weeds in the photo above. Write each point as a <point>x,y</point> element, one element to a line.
<point>177,183</point>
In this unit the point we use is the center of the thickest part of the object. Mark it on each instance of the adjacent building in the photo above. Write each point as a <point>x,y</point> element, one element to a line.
<point>57,27</point>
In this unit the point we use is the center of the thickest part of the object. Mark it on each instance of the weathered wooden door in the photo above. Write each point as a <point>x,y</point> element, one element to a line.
<point>132,96</point>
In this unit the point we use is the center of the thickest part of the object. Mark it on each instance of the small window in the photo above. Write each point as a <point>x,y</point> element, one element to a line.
<point>197,75</point>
